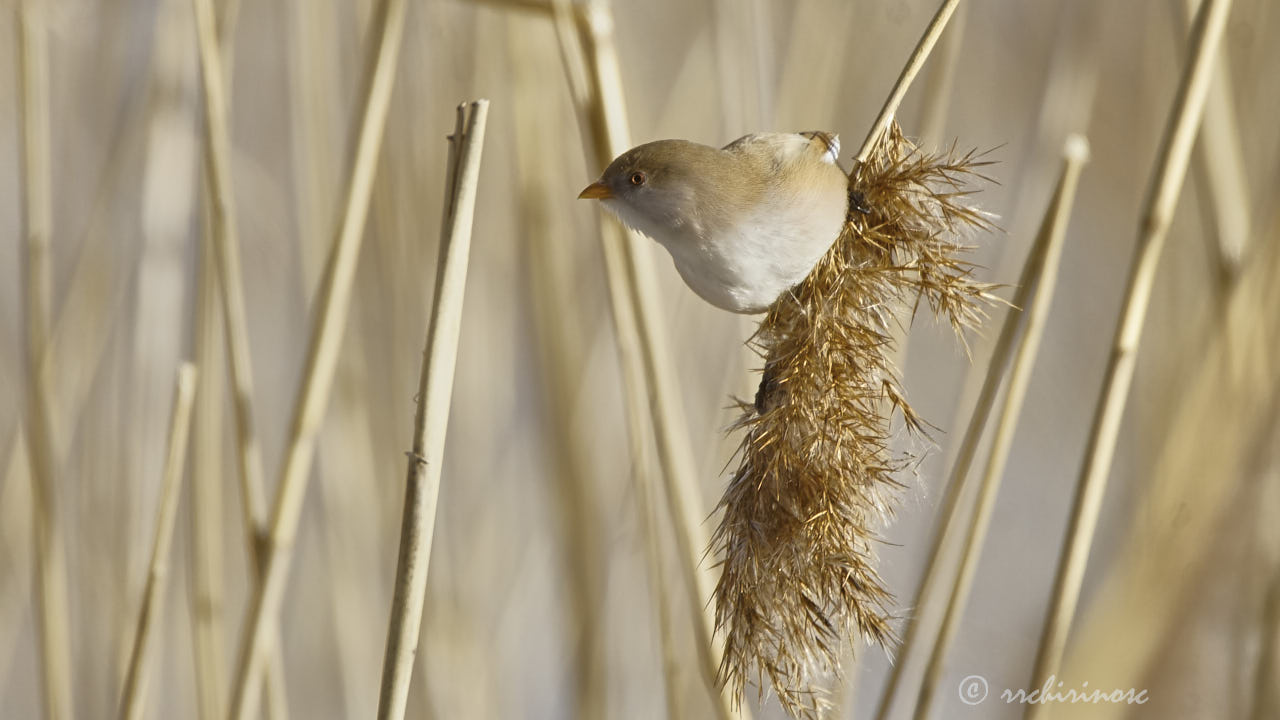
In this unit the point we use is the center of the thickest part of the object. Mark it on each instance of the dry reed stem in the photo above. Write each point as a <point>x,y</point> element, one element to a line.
<point>546,260</point>
<point>1171,166</point>
<point>951,505</point>
<point>78,338</point>
<point>1222,427</point>
<point>220,201</point>
<point>333,301</point>
<point>435,390</point>
<point>1043,268</point>
<point>134,695</point>
<point>205,571</point>
<point>611,137</point>
<point>817,476</point>
<point>1065,106</point>
<point>909,72</point>
<point>50,563</point>
<point>634,299</point>
<point>612,238</point>
<point>345,445</point>
<point>1219,167</point>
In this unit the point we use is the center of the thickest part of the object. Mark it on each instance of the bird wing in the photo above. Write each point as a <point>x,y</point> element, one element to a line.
<point>780,149</point>
<point>830,143</point>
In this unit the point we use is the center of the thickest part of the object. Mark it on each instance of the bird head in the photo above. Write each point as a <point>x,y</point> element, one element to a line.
<point>660,188</point>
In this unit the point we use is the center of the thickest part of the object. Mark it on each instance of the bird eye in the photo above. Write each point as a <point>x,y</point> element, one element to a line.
<point>637,178</point>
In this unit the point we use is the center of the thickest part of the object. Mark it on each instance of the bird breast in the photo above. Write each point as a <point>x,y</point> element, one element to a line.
<point>744,266</point>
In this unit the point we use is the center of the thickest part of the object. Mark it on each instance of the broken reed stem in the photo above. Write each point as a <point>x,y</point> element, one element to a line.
<point>435,390</point>
<point>220,200</point>
<point>333,301</point>
<point>1166,182</point>
<point>133,697</point>
<point>950,507</point>
<point>50,563</point>
<point>909,72</point>
<point>1043,267</point>
<point>633,290</point>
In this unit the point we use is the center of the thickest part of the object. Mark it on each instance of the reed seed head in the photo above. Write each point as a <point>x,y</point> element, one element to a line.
<point>817,476</point>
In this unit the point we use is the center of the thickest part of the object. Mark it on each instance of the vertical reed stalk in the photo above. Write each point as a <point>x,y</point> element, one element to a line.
<point>205,571</point>
<point>435,390</point>
<point>1171,166</point>
<point>951,505</point>
<point>50,563</point>
<point>133,697</point>
<point>220,200</point>
<point>1043,267</point>
<point>333,301</point>
<point>205,523</point>
<point>633,290</point>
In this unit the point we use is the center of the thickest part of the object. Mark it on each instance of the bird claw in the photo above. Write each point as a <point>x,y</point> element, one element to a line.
<point>858,203</point>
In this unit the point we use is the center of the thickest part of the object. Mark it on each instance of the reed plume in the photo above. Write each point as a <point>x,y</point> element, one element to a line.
<point>817,474</point>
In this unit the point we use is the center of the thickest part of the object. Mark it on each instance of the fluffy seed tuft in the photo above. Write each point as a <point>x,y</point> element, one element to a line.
<point>816,478</point>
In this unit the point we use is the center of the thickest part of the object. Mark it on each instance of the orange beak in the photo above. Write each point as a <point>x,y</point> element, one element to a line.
<point>596,191</point>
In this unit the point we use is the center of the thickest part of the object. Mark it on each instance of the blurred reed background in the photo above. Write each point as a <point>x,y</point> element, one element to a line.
<point>540,602</point>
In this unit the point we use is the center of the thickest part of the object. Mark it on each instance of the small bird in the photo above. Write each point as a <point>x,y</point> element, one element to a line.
<point>744,223</point>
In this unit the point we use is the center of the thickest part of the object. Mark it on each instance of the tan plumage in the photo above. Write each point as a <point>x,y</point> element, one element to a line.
<point>743,223</point>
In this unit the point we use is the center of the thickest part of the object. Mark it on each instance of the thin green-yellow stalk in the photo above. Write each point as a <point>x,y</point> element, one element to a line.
<point>333,301</point>
<point>133,697</point>
<point>1171,166</point>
